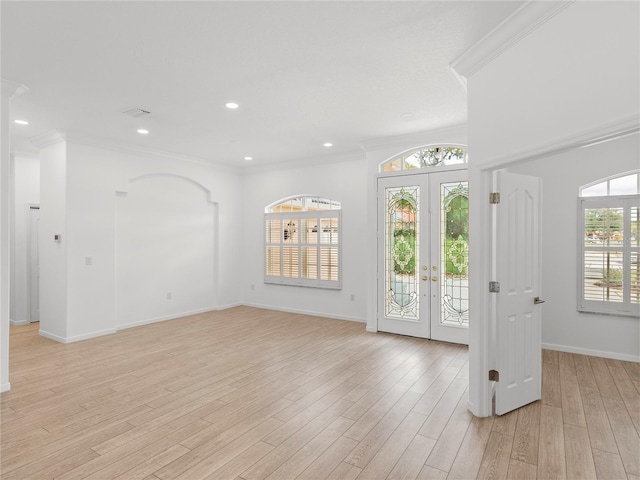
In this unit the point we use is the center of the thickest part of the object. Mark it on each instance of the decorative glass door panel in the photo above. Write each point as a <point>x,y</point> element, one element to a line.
<point>423,285</point>
<point>450,253</point>
<point>401,252</point>
<point>454,253</point>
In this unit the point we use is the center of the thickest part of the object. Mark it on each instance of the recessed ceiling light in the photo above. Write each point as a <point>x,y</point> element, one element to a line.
<point>231,105</point>
<point>21,122</point>
<point>248,158</point>
<point>142,131</point>
<point>328,144</point>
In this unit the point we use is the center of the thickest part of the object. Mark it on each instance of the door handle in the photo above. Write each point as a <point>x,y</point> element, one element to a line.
<point>537,300</point>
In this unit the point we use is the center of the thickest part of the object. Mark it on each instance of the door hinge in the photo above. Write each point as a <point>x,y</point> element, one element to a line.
<point>494,376</point>
<point>494,198</point>
<point>494,287</point>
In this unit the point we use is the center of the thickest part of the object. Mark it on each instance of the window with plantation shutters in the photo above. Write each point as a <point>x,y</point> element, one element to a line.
<point>609,245</point>
<point>302,242</point>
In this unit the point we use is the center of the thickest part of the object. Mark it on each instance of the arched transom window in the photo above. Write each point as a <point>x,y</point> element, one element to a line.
<point>302,242</point>
<point>427,157</point>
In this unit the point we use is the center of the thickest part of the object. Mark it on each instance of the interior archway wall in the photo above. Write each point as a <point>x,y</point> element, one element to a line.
<point>165,249</point>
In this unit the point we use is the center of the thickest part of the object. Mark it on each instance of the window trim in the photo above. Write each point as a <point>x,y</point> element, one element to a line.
<point>624,308</point>
<point>334,212</point>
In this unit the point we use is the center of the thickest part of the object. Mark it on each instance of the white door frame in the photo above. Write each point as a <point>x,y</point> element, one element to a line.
<point>29,208</point>
<point>481,303</point>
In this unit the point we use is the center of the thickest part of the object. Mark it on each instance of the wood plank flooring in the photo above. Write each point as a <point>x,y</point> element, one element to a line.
<point>248,394</point>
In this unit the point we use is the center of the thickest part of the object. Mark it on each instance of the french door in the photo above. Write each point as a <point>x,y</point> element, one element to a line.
<point>423,234</point>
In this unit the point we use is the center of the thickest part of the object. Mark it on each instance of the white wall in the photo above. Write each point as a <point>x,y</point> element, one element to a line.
<point>9,90</point>
<point>26,177</point>
<point>53,254</point>
<point>341,179</point>
<point>576,73</point>
<point>573,77</point>
<point>92,177</point>
<point>563,327</point>
<point>164,250</point>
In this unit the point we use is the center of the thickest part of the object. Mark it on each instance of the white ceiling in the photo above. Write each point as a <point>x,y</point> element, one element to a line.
<point>304,73</point>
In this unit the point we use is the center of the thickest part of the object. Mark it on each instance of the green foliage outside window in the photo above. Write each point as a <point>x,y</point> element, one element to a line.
<point>404,251</point>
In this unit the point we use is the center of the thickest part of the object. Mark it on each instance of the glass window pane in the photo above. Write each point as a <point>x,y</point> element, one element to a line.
<point>313,204</point>
<point>603,276</point>
<point>296,204</point>
<point>273,261</point>
<point>604,226</point>
<point>310,262</point>
<point>290,231</point>
<point>273,231</point>
<point>635,278</point>
<point>454,155</point>
<point>627,185</point>
<point>310,230</point>
<point>412,161</point>
<point>290,262</point>
<point>599,190</point>
<point>329,263</point>
<point>635,226</point>
<point>393,166</point>
<point>329,230</point>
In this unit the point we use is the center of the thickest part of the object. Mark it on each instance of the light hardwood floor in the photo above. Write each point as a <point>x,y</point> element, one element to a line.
<point>250,394</point>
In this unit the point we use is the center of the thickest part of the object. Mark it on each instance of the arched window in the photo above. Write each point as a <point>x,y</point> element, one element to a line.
<point>427,157</point>
<point>302,242</point>
<point>609,236</point>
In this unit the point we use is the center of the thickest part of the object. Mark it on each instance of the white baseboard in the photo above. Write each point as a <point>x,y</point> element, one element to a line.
<point>164,318</point>
<point>5,387</point>
<point>307,312</point>
<point>592,353</point>
<point>52,336</point>
<point>18,323</point>
<point>148,321</point>
<point>371,329</point>
<point>230,305</point>
<point>76,338</point>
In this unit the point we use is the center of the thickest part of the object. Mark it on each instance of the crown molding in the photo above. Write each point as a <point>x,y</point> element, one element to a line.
<point>12,89</point>
<point>587,138</point>
<point>307,162</point>
<point>24,154</point>
<point>131,149</point>
<point>510,31</point>
<point>48,138</point>
<point>451,134</point>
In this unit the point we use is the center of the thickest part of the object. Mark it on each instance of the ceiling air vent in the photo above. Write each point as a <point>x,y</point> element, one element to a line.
<point>136,112</point>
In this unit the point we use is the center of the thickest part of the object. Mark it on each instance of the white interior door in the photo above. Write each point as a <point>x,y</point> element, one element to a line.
<point>518,313</point>
<point>423,255</point>
<point>34,265</point>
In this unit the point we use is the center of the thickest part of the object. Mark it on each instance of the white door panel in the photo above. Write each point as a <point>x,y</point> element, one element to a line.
<point>403,274</point>
<point>518,316</point>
